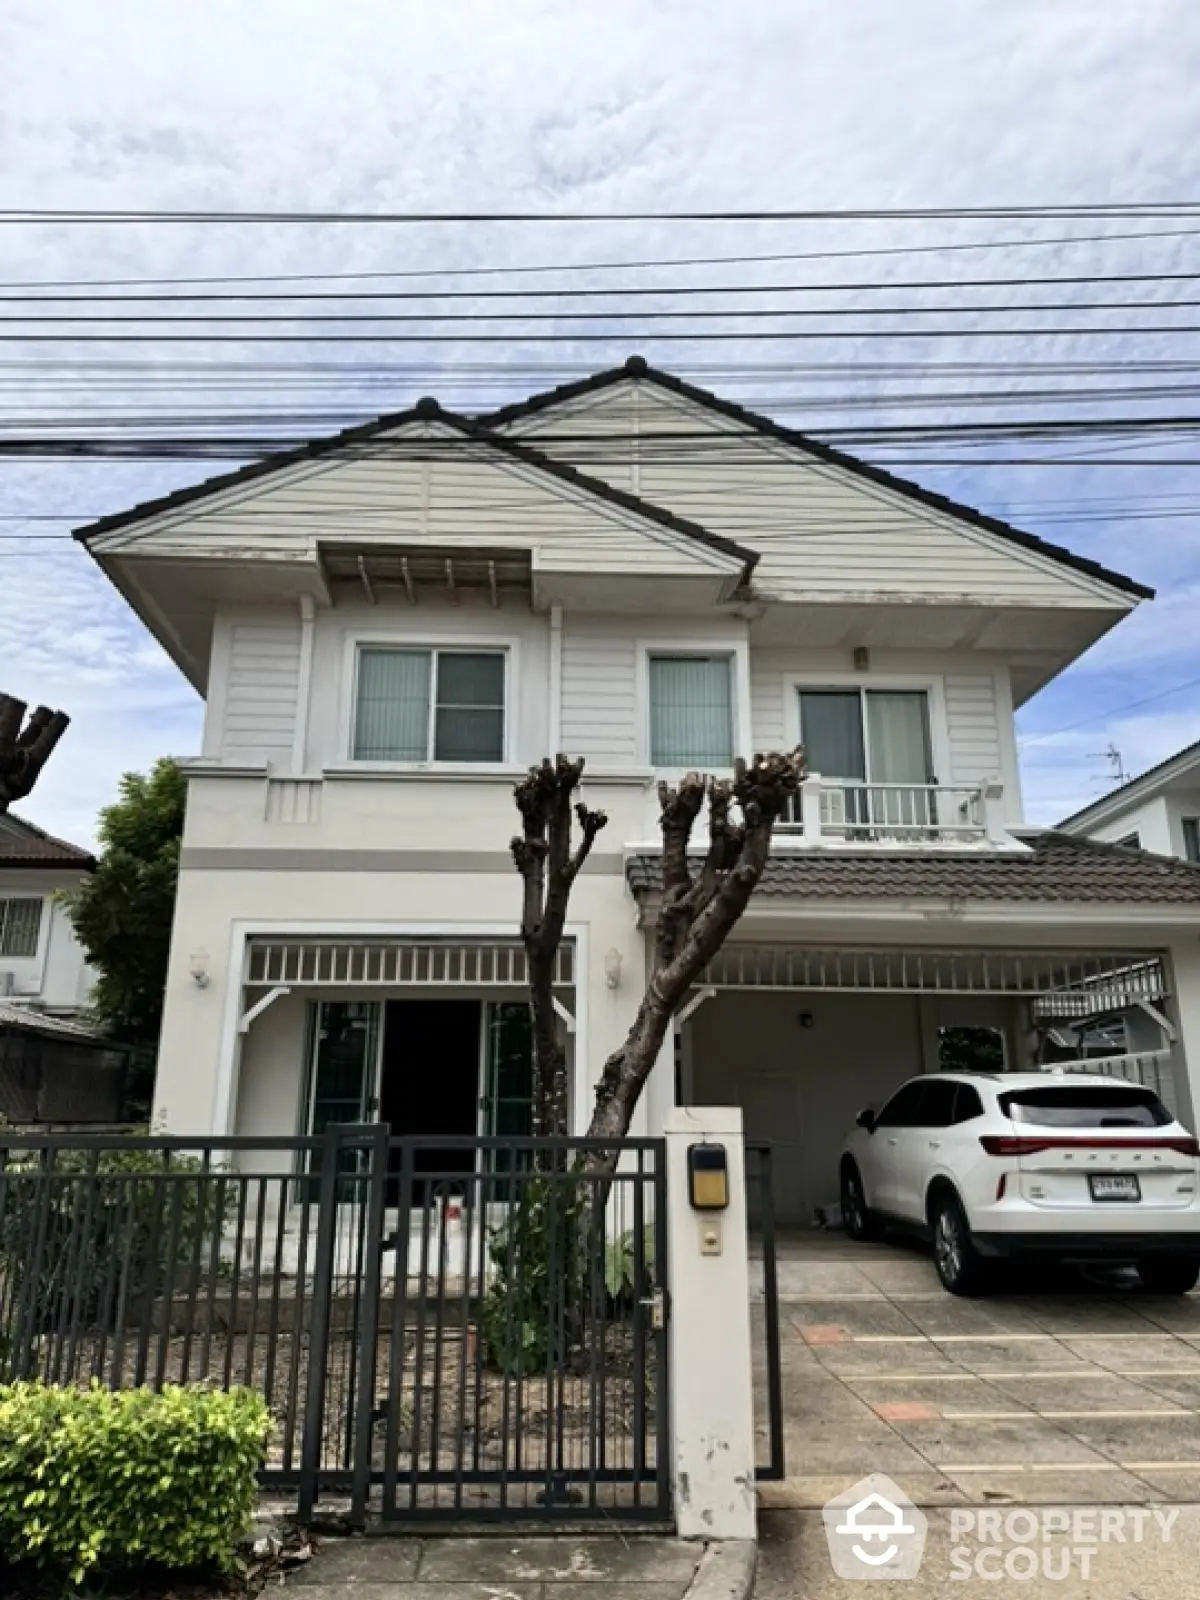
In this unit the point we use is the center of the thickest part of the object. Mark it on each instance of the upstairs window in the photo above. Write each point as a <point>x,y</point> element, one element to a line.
<point>691,711</point>
<point>429,705</point>
<point>1191,838</point>
<point>20,923</point>
<point>867,735</point>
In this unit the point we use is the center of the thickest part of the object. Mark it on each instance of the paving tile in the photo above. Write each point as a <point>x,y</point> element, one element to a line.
<point>1005,1442</point>
<point>558,1560</point>
<point>923,1487</point>
<point>858,1317</point>
<point>904,1410</point>
<point>993,1486</point>
<point>497,1589</point>
<point>1094,1388</point>
<point>357,1561</point>
<point>1140,1438</point>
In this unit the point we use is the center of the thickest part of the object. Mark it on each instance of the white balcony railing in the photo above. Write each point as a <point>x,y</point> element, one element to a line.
<point>1153,1069</point>
<point>837,809</point>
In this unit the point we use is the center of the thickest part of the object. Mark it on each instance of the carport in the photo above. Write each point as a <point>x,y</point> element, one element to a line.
<point>802,1038</point>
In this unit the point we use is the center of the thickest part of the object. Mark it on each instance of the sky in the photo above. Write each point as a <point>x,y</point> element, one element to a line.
<point>544,105</point>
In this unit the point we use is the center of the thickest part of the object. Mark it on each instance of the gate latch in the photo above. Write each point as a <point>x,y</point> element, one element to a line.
<point>657,1305</point>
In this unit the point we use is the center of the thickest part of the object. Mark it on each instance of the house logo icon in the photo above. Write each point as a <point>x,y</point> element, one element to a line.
<point>874,1531</point>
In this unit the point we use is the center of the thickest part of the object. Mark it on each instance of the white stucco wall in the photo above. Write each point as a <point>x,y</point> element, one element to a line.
<point>1151,821</point>
<point>57,975</point>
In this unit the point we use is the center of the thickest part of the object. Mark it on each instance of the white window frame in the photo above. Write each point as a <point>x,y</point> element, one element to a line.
<point>505,646</point>
<point>931,686</point>
<point>736,651</point>
<point>39,934</point>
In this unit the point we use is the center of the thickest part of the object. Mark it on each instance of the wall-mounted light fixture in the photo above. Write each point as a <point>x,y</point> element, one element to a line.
<point>862,658</point>
<point>806,1019</point>
<point>198,967</point>
<point>708,1177</point>
<point>612,968</point>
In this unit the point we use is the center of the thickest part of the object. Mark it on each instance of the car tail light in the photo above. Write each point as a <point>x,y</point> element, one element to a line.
<point>1032,1145</point>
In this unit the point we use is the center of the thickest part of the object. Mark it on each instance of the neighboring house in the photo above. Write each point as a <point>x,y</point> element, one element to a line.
<point>1159,811</point>
<point>390,625</point>
<point>54,1066</point>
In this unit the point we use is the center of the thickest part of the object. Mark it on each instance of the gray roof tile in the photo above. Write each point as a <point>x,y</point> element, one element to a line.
<point>1058,868</point>
<point>23,845</point>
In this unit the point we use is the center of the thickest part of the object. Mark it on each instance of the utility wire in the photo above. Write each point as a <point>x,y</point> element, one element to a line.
<point>613,266</point>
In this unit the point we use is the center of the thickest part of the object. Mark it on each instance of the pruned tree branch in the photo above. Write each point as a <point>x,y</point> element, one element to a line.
<point>696,914</point>
<point>24,750</point>
<point>548,865</point>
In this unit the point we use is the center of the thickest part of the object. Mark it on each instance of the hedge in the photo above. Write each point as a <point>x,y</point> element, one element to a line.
<point>127,1479</point>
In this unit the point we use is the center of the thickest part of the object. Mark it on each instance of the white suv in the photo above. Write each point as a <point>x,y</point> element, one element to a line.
<point>1057,1164</point>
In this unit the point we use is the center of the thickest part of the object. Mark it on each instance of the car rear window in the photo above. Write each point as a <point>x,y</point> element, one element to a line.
<point>1085,1106</point>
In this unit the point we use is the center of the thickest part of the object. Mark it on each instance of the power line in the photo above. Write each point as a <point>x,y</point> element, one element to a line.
<point>616,266</point>
<point>513,337</point>
<point>613,290</point>
<point>1112,711</point>
<point>1117,209</point>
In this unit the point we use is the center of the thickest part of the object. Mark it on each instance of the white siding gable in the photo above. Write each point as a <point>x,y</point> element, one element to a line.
<point>460,494</point>
<point>824,533</point>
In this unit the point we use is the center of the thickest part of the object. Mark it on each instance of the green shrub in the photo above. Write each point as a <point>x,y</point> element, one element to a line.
<point>101,1228</point>
<point>620,1263</point>
<point>94,1478</point>
<point>531,1308</point>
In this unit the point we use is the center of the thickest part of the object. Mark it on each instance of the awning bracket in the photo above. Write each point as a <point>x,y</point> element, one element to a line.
<point>260,1005</point>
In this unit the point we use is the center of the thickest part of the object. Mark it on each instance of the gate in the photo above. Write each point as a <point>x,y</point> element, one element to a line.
<point>444,1329</point>
<point>764,1312</point>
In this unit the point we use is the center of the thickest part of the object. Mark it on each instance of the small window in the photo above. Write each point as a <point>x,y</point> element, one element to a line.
<point>937,1108</point>
<point>970,1050</point>
<point>1086,1106</point>
<point>429,705</point>
<point>1191,838</point>
<point>967,1103</point>
<point>20,923</point>
<point>903,1110</point>
<point>1131,841</point>
<point>691,711</point>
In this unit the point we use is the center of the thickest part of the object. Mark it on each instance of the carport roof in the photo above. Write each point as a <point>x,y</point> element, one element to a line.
<point>1057,869</point>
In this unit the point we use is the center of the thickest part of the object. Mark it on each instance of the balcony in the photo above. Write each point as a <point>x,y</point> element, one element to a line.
<point>838,811</point>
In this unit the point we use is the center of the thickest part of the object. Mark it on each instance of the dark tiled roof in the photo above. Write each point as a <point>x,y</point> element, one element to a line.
<point>638,367</point>
<point>1058,869</point>
<point>425,410</point>
<point>23,845</point>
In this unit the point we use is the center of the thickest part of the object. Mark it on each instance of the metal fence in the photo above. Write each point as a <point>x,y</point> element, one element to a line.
<point>764,1313</point>
<point>453,1328</point>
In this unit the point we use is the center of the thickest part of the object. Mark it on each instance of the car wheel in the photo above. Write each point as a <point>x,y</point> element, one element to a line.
<point>1168,1274</point>
<point>857,1219</point>
<point>958,1263</point>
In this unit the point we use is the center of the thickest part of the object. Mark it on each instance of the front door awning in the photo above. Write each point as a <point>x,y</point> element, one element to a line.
<point>394,963</point>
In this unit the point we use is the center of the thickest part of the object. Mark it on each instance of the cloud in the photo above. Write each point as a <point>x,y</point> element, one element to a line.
<point>499,104</point>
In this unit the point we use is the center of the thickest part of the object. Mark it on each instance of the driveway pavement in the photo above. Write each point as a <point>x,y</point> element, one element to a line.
<point>1079,1393</point>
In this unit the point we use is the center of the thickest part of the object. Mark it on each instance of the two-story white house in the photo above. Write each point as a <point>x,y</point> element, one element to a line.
<point>55,1065</point>
<point>388,626</point>
<point>1159,811</point>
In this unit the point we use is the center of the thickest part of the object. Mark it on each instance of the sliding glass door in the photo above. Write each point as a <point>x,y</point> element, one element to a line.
<point>877,742</point>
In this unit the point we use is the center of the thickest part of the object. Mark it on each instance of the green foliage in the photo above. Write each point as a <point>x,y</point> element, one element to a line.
<point>530,1309</point>
<point>93,1478</point>
<point>620,1262</point>
<point>95,1226</point>
<point>122,912</point>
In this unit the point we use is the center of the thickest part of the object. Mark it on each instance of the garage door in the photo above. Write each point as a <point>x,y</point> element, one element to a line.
<point>801,1066</point>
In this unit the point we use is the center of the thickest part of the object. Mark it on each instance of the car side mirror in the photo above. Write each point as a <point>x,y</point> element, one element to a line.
<point>866,1119</point>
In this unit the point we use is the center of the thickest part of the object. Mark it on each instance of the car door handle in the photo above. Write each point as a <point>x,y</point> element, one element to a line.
<point>893,1140</point>
<point>935,1144</point>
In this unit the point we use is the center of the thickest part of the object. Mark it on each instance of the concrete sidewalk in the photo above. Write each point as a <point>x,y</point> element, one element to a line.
<point>554,1567</point>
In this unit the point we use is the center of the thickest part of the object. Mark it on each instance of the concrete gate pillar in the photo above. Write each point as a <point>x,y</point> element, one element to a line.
<point>712,1403</point>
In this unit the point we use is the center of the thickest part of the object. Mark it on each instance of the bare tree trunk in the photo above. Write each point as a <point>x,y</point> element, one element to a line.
<point>548,866</point>
<point>698,911</point>
<point>25,751</point>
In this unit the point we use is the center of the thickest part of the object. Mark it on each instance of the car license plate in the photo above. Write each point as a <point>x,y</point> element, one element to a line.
<point>1120,1186</point>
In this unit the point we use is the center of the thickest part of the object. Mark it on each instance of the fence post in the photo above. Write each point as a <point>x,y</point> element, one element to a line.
<point>318,1333</point>
<point>712,1403</point>
<point>364,1400</point>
